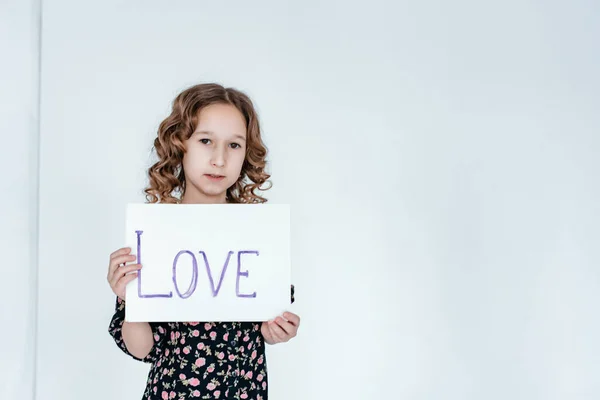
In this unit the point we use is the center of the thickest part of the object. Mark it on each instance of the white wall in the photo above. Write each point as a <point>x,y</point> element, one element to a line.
<point>19,120</point>
<point>441,159</point>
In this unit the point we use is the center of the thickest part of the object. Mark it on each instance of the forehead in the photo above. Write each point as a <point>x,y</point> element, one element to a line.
<point>221,119</point>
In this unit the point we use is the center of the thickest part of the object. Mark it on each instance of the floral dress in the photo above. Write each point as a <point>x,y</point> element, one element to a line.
<point>204,360</point>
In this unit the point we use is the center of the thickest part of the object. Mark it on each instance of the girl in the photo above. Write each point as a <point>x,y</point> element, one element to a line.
<point>209,151</point>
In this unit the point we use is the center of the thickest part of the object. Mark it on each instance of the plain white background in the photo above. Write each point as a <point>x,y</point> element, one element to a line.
<point>441,159</point>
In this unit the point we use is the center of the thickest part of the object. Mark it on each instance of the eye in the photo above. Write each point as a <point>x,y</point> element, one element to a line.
<point>235,145</point>
<point>205,141</point>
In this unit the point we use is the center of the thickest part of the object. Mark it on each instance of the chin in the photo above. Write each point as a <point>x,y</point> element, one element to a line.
<point>212,192</point>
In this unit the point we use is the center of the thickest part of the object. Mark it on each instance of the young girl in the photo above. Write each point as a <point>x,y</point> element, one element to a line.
<point>209,151</point>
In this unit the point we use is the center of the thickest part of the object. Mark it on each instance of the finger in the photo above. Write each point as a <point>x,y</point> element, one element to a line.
<point>122,271</point>
<point>125,280</point>
<point>123,259</point>
<point>120,252</point>
<point>115,262</point>
<point>277,332</point>
<point>121,285</point>
<point>293,318</point>
<point>266,331</point>
<point>288,328</point>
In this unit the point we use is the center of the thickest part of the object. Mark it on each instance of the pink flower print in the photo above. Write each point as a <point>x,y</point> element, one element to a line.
<point>264,385</point>
<point>207,326</point>
<point>165,395</point>
<point>260,360</point>
<point>177,351</point>
<point>195,333</point>
<point>226,336</point>
<point>182,341</point>
<point>194,382</point>
<point>254,354</point>
<point>217,394</point>
<point>172,335</point>
<point>165,371</point>
<point>231,357</point>
<point>186,350</point>
<point>246,338</point>
<point>154,389</point>
<point>193,323</point>
<point>196,393</point>
<point>200,362</point>
<point>213,335</point>
<point>210,369</point>
<point>259,377</point>
<point>244,396</point>
<point>167,352</point>
<point>182,377</point>
<point>221,355</point>
<point>211,386</point>
<point>172,395</point>
<point>249,375</point>
<point>156,337</point>
<point>249,346</point>
<point>243,373</point>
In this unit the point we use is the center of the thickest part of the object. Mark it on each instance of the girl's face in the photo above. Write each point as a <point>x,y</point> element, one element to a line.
<point>214,155</point>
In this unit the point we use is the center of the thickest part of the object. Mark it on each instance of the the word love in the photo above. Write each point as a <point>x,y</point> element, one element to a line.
<point>194,280</point>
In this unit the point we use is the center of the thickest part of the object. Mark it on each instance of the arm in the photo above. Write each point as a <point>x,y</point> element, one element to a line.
<point>142,341</point>
<point>138,338</point>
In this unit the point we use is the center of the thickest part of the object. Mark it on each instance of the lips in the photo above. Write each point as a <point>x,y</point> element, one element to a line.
<point>214,177</point>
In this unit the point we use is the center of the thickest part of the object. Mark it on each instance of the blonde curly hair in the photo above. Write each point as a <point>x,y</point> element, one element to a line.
<point>166,176</point>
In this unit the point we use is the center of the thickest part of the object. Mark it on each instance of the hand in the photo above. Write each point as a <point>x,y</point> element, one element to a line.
<point>119,273</point>
<point>281,329</point>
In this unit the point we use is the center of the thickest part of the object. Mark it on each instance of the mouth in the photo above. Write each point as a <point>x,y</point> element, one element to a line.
<point>214,177</point>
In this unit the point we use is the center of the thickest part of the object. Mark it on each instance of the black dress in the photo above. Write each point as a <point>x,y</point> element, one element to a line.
<point>213,360</point>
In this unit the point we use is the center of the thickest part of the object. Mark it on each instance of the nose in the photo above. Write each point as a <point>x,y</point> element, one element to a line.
<point>218,157</point>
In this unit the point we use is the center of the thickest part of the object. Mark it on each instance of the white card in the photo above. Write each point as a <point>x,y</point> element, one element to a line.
<point>209,262</point>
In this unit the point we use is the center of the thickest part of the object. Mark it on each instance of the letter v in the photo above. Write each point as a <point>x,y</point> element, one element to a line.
<point>215,291</point>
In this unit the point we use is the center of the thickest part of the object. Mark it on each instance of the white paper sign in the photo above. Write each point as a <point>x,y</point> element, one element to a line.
<point>209,262</point>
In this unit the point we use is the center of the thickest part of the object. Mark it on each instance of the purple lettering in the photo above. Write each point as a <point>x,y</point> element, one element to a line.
<point>194,281</point>
<point>245,273</point>
<point>209,272</point>
<point>139,260</point>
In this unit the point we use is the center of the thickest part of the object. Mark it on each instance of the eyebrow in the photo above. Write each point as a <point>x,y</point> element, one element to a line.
<point>237,136</point>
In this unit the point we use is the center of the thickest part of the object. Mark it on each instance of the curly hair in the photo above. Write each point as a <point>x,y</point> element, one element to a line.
<point>166,176</point>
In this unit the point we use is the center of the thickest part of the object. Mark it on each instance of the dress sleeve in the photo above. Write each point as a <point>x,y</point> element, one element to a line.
<point>160,332</point>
